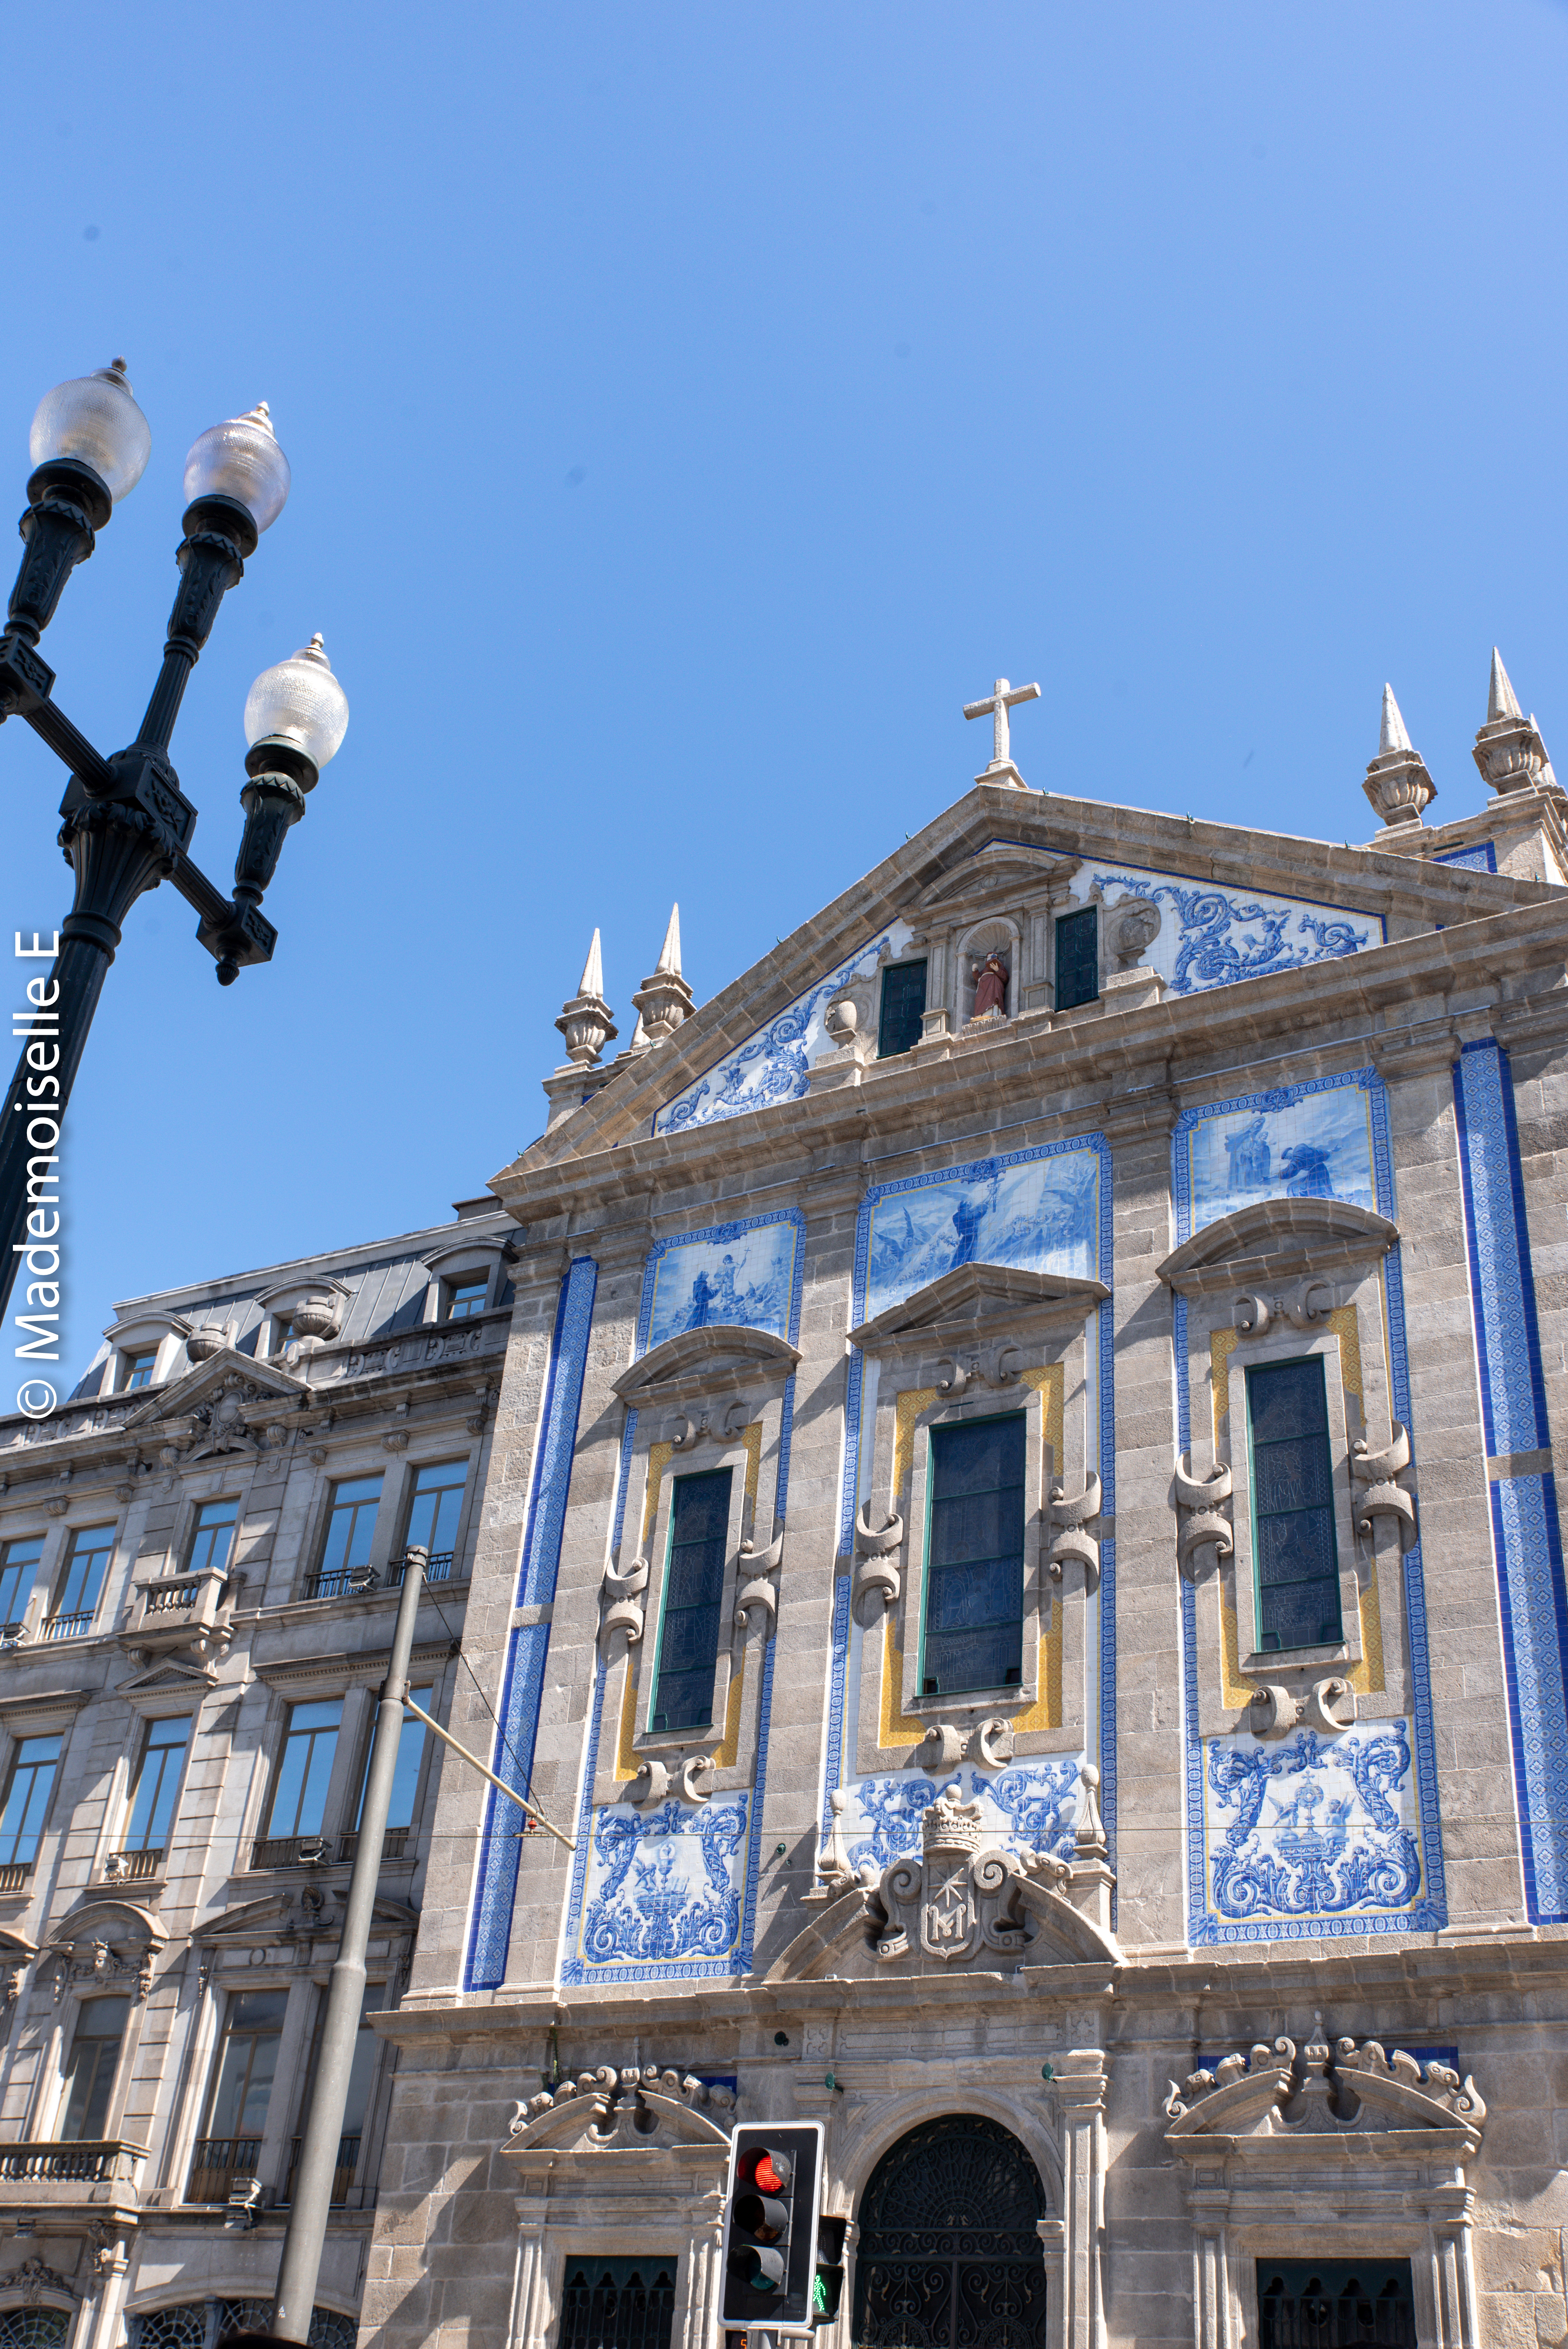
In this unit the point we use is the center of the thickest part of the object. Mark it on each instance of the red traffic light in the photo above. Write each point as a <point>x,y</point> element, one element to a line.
<point>767,2169</point>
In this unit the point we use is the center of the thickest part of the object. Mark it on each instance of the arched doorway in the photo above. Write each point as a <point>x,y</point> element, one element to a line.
<point>948,2255</point>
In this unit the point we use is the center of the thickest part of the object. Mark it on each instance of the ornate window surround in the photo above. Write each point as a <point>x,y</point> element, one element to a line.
<point>1008,882</point>
<point>705,1399</point>
<point>1282,1280</point>
<point>976,1342</point>
<point>1352,2155</point>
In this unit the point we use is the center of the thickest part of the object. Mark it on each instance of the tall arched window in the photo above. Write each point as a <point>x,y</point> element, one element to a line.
<point>949,2252</point>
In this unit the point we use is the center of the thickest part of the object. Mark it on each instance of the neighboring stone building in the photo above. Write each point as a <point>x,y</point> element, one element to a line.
<point>199,1559</point>
<point>1023,1549</point>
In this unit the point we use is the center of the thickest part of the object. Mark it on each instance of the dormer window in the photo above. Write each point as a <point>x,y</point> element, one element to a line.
<point>466,1296</point>
<point>139,1370</point>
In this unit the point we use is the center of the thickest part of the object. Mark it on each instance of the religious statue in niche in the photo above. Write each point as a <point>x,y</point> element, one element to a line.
<point>990,988</point>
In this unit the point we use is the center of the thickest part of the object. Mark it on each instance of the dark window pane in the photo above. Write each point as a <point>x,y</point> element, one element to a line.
<point>1332,2305</point>
<point>974,1582</point>
<point>1294,1475</point>
<point>1287,1399</point>
<point>903,1008</point>
<point>979,1458</point>
<point>990,1593</point>
<point>693,1586</point>
<point>1078,958</point>
<point>1294,1543</point>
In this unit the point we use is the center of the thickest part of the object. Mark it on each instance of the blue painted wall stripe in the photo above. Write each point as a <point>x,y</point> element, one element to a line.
<point>557,1434</point>
<point>1527,1539</point>
<point>490,1932</point>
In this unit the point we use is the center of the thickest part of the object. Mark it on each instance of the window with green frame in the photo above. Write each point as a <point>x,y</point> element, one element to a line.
<point>1295,1547</point>
<point>974,1630</point>
<point>693,1586</point>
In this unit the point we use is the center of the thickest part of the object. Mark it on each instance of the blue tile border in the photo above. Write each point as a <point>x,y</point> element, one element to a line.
<point>982,1169</point>
<point>1431,1910</point>
<point>1482,858</point>
<point>489,1932</point>
<point>1527,1540</point>
<point>557,1433</point>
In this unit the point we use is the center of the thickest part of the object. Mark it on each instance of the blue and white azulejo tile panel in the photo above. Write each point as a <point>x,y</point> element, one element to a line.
<point>1482,858</point>
<point>772,1065</point>
<point>739,1273</point>
<point>1302,1142</point>
<point>1312,1835</point>
<point>1037,1212</point>
<point>1212,936</point>
<point>666,1893</point>
<point>1031,1804</point>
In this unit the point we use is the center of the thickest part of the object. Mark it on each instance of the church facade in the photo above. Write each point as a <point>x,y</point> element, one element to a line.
<point>1020,1547</point>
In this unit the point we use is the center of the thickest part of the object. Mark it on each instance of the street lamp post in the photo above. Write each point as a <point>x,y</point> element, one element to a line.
<point>127,823</point>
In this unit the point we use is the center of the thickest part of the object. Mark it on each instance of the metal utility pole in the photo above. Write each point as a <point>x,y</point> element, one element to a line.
<point>305,2233</point>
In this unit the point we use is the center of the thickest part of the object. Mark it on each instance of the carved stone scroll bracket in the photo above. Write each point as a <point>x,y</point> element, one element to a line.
<point>1204,1529</point>
<point>991,1743</point>
<point>1005,1367</point>
<point>1274,1711</point>
<point>952,1387</point>
<point>941,1747</point>
<point>1330,1706</point>
<point>651,1785</point>
<point>1382,1498</point>
<point>1306,1307</point>
<point>625,1602</point>
<point>1070,1538</point>
<point>758,1594</point>
<point>1088,1828</point>
<point>877,1578</point>
<point>685,1431</point>
<point>691,1778</point>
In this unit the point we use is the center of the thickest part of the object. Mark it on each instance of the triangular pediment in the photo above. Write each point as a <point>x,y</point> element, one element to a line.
<point>747,1050</point>
<point>167,1678</point>
<point>974,1298</point>
<point>260,1382</point>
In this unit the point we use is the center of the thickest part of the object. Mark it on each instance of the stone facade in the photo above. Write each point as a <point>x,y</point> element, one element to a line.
<point>185,1589</point>
<point>1254,1944</point>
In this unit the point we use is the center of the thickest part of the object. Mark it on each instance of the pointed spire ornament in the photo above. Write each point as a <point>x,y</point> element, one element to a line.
<point>1398,783</point>
<point>664,1000</point>
<point>586,1020</point>
<point>1508,749</point>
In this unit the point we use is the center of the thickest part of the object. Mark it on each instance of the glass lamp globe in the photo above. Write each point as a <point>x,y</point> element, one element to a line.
<point>300,699</point>
<point>241,459</point>
<point>94,419</point>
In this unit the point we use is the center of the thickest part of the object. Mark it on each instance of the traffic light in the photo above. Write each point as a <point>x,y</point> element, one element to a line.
<point>770,2214</point>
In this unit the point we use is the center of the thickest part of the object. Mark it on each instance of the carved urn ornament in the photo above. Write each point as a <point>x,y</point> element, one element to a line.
<point>664,1000</point>
<point>1508,749</point>
<point>1398,783</point>
<point>586,1020</point>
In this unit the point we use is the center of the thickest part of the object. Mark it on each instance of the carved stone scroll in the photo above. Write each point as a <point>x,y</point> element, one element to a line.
<point>1069,1540</point>
<point>877,1579</point>
<point>626,1595</point>
<point>1205,1528</point>
<point>1383,1498</point>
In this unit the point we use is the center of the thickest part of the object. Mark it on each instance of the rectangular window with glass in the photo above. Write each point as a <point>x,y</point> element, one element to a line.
<point>214,1535</point>
<point>1294,1549</point>
<point>305,1769</point>
<point>693,1586</point>
<point>28,1793</point>
<point>356,2106</point>
<point>1335,2304</point>
<point>975,1551</point>
<point>139,1370</point>
<point>89,2073</point>
<point>625,2304</point>
<point>903,1008</point>
<point>467,1297</point>
<point>87,1563</point>
<point>1078,958</point>
<point>436,1506</point>
<point>231,2142</point>
<point>405,1777</point>
<point>350,1524</point>
<point>157,1787</point>
<point>18,1565</point>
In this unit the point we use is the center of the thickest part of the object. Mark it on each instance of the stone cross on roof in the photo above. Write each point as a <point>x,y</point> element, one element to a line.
<point>995,705</point>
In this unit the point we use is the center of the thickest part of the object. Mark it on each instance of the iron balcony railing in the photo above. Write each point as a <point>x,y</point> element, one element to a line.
<point>66,1627</point>
<point>358,1581</point>
<point>342,2176</point>
<point>394,1844</point>
<point>74,2161</point>
<point>216,2162</point>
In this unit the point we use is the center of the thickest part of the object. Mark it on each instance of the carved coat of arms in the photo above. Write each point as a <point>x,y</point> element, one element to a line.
<point>959,1897</point>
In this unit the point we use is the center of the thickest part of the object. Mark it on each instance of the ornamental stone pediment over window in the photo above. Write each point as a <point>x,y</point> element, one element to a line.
<point>701,1362</point>
<point>1279,1239</point>
<point>638,2110</point>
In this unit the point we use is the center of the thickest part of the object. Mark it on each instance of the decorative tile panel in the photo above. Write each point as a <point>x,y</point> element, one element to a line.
<point>489,1932</point>
<point>1336,1130</point>
<point>1527,1539</point>
<point>1482,858</point>
<point>772,1065</point>
<point>1213,936</point>
<point>1312,1835</point>
<point>1032,1806</point>
<point>747,1274</point>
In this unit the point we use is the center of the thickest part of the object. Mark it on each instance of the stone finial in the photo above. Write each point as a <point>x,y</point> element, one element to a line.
<point>586,1020</point>
<point>1398,783</point>
<point>1508,749</point>
<point>664,1000</point>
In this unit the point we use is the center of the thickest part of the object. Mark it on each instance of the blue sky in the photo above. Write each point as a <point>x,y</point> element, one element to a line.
<point>689,410</point>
